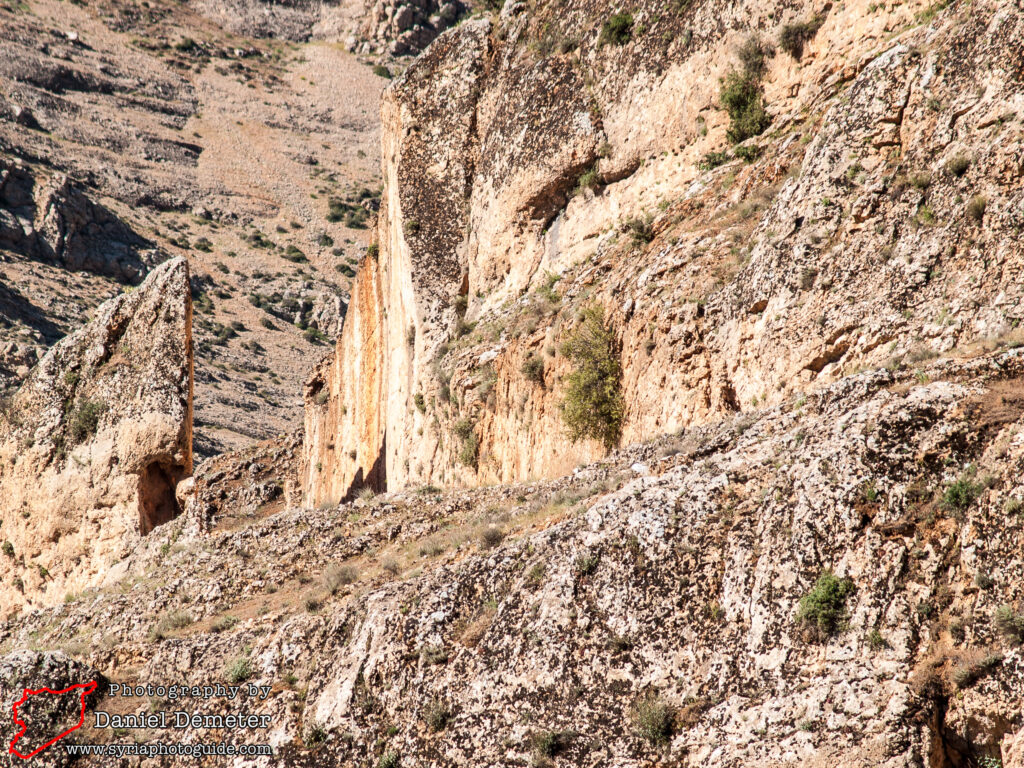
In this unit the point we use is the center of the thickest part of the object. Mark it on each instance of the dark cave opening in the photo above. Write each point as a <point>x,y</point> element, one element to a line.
<point>158,503</point>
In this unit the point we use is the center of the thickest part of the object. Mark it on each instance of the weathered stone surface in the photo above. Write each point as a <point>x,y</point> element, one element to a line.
<point>96,440</point>
<point>671,570</point>
<point>45,714</point>
<point>576,177</point>
<point>54,221</point>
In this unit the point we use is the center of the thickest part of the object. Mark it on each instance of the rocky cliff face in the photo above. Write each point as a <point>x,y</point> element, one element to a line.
<point>395,27</point>
<point>557,158</point>
<point>96,441</point>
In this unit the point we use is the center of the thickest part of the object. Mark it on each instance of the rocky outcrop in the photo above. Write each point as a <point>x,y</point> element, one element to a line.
<point>96,441</point>
<point>579,168</point>
<point>54,221</point>
<point>395,27</point>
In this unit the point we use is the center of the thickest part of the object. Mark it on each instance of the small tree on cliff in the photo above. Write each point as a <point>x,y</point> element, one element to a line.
<point>592,406</point>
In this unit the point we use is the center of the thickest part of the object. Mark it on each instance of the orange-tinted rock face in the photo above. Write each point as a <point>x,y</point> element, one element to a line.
<point>345,434</point>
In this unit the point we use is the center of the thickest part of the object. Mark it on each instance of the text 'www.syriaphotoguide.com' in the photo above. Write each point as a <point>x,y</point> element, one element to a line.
<point>157,749</point>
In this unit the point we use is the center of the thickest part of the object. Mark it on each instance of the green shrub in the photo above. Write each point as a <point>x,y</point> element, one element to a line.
<point>713,160</point>
<point>618,29</point>
<point>389,759</point>
<point>381,71</point>
<point>469,452</point>
<point>550,743</point>
<point>741,97</point>
<point>592,406</point>
<point>8,549</point>
<point>1009,624</point>
<point>202,244</point>
<point>85,418</point>
<point>419,402</point>
<point>960,494</point>
<point>373,251</point>
<point>239,670</point>
<point>794,37</point>
<point>652,719</point>
<point>875,640</point>
<point>437,714</point>
<point>976,208</point>
<point>590,179</point>
<point>824,607</point>
<point>748,154</point>
<point>465,431</point>
<point>533,369</point>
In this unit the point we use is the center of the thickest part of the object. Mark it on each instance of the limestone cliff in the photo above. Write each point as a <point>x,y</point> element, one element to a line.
<point>96,441</point>
<point>558,157</point>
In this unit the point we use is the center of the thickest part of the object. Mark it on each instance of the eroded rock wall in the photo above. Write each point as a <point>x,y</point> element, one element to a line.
<point>94,444</point>
<point>565,170</point>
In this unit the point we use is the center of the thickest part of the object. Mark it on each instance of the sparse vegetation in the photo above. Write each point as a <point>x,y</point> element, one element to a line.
<point>1009,624</point>
<point>958,165</point>
<point>976,208</point>
<point>239,670</point>
<point>437,714</point>
<point>550,743</point>
<point>85,419</point>
<point>491,537</point>
<point>641,230</point>
<point>652,719</point>
<point>390,759</point>
<point>618,30</point>
<point>170,621</point>
<point>592,407</point>
<point>824,607</point>
<point>585,563</point>
<point>794,37</point>
<point>338,576</point>
<point>224,623</point>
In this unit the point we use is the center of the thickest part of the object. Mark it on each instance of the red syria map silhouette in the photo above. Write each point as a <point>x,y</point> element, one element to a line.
<point>84,690</point>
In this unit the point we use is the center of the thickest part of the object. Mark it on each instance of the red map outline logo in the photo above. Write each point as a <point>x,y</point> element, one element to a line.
<point>87,688</point>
